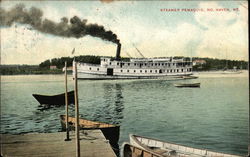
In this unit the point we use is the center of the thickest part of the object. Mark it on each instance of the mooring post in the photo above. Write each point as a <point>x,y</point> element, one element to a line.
<point>66,104</point>
<point>76,114</point>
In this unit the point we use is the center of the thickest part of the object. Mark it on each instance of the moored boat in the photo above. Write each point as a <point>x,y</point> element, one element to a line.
<point>57,100</point>
<point>129,150</point>
<point>231,72</point>
<point>189,77</point>
<point>110,131</point>
<point>135,68</point>
<point>166,148</point>
<point>187,85</point>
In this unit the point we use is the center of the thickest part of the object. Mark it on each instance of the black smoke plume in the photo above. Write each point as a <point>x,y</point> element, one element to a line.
<point>75,27</point>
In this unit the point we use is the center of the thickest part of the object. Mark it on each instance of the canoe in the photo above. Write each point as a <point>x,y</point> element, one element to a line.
<point>110,131</point>
<point>168,149</point>
<point>193,85</point>
<point>57,100</point>
<point>129,150</point>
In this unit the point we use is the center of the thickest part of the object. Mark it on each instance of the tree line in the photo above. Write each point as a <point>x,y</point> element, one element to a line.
<point>26,69</point>
<point>60,62</point>
<point>219,64</point>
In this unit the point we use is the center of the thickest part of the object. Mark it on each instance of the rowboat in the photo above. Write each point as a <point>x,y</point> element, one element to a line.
<point>193,85</point>
<point>129,150</point>
<point>168,149</point>
<point>189,77</point>
<point>110,131</point>
<point>57,100</point>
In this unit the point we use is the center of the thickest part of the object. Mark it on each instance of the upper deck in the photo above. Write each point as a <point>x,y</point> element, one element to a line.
<point>154,63</point>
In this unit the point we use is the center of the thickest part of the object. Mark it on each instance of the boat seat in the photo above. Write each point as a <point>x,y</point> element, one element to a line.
<point>160,151</point>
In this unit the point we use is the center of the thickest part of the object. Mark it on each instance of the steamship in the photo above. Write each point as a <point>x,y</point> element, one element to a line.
<point>136,68</point>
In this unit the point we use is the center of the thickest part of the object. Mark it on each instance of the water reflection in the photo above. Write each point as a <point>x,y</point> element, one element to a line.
<point>111,110</point>
<point>119,106</point>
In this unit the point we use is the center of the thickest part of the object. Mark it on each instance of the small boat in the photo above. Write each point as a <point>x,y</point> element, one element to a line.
<point>57,100</point>
<point>231,72</point>
<point>189,77</point>
<point>187,85</point>
<point>129,150</point>
<point>110,131</point>
<point>167,149</point>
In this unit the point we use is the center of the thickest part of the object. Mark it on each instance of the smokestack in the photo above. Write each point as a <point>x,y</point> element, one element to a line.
<point>118,52</point>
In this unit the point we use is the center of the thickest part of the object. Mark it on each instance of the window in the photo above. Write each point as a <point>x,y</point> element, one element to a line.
<point>156,71</point>
<point>128,64</point>
<point>134,64</point>
<point>181,70</point>
<point>177,70</point>
<point>118,63</point>
<point>162,64</point>
<point>89,68</point>
<point>140,70</point>
<point>152,64</point>
<point>155,64</point>
<point>159,64</point>
<point>97,69</point>
<point>151,71</point>
<point>109,63</point>
<point>134,71</point>
<point>145,64</point>
<point>128,71</point>
<point>121,70</point>
<point>145,71</point>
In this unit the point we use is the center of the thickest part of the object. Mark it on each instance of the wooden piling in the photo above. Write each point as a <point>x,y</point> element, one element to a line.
<point>77,114</point>
<point>67,104</point>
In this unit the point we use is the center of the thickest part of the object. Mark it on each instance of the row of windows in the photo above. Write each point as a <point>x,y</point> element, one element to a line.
<point>156,71</point>
<point>96,69</point>
<point>141,71</point>
<point>152,64</point>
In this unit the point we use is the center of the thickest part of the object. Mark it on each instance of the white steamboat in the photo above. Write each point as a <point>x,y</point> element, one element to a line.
<point>143,68</point>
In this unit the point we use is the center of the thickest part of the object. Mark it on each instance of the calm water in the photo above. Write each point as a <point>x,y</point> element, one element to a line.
<point>214,116</point>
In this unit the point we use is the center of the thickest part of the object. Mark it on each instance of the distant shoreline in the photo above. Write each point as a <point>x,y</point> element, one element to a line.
<point>218,71</point>
<point>60,72</point>
<point>55,65</point>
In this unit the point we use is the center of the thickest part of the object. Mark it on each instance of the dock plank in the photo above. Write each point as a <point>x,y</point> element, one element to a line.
<point>93,144</point>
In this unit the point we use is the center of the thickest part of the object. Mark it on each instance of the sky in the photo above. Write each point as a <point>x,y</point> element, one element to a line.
<point>150,26</point>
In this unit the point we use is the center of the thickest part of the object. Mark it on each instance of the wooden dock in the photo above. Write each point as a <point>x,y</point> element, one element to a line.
<point>92,144</point>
